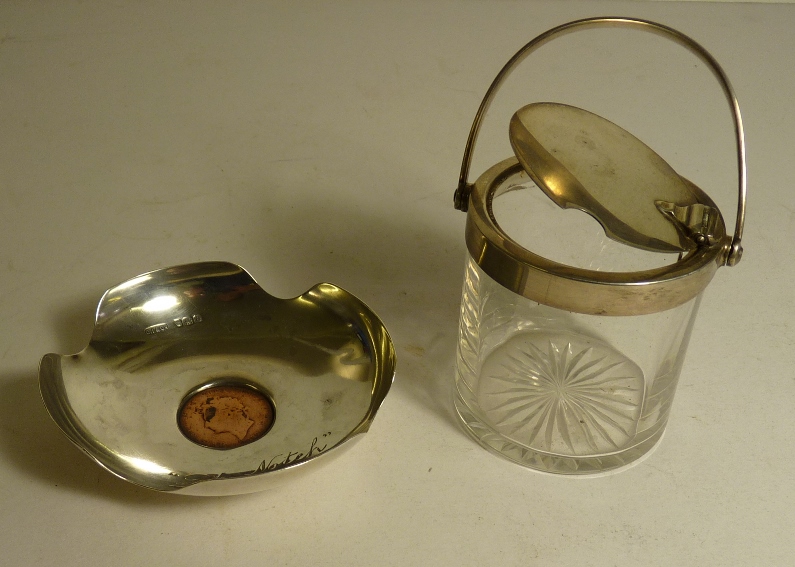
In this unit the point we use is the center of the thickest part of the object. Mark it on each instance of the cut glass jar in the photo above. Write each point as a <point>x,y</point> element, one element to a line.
<point>574,326</point>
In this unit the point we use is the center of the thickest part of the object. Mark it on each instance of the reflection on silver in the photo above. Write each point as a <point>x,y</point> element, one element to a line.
<point>324,358</point>
<point>160,303</point>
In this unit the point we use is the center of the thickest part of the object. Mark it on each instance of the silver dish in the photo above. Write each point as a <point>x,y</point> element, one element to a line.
<point>197,381</point>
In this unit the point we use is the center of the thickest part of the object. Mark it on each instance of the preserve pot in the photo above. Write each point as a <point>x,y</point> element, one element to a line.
<point>574,327</point>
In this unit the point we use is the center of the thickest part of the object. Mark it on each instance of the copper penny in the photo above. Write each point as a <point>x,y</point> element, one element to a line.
<point>225,416</point>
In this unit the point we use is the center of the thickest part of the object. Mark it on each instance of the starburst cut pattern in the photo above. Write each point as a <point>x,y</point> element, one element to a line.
<point>562,393</point>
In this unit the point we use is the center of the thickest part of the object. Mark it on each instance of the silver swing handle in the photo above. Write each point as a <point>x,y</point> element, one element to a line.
<point>461,197</point>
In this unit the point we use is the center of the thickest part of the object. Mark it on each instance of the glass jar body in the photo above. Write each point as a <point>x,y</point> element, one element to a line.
<point>564,392</point>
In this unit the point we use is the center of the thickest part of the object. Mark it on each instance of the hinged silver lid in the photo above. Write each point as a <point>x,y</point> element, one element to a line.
<point>583,161</point>
<point>674,215</point>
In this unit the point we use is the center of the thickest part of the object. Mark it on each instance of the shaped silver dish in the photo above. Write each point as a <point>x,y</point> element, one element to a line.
<point>207,342</point>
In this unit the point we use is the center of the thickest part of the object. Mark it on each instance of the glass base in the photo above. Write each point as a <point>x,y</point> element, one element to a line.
<point>500,445</point>
<point>564,392</point>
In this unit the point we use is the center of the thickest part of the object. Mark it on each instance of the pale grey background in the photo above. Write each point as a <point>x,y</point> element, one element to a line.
<point>320,141</point>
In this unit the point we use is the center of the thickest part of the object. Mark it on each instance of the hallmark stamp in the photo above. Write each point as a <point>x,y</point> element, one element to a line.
<point>187,321</point>
<point>154,329</point>
<point>177,323</point>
